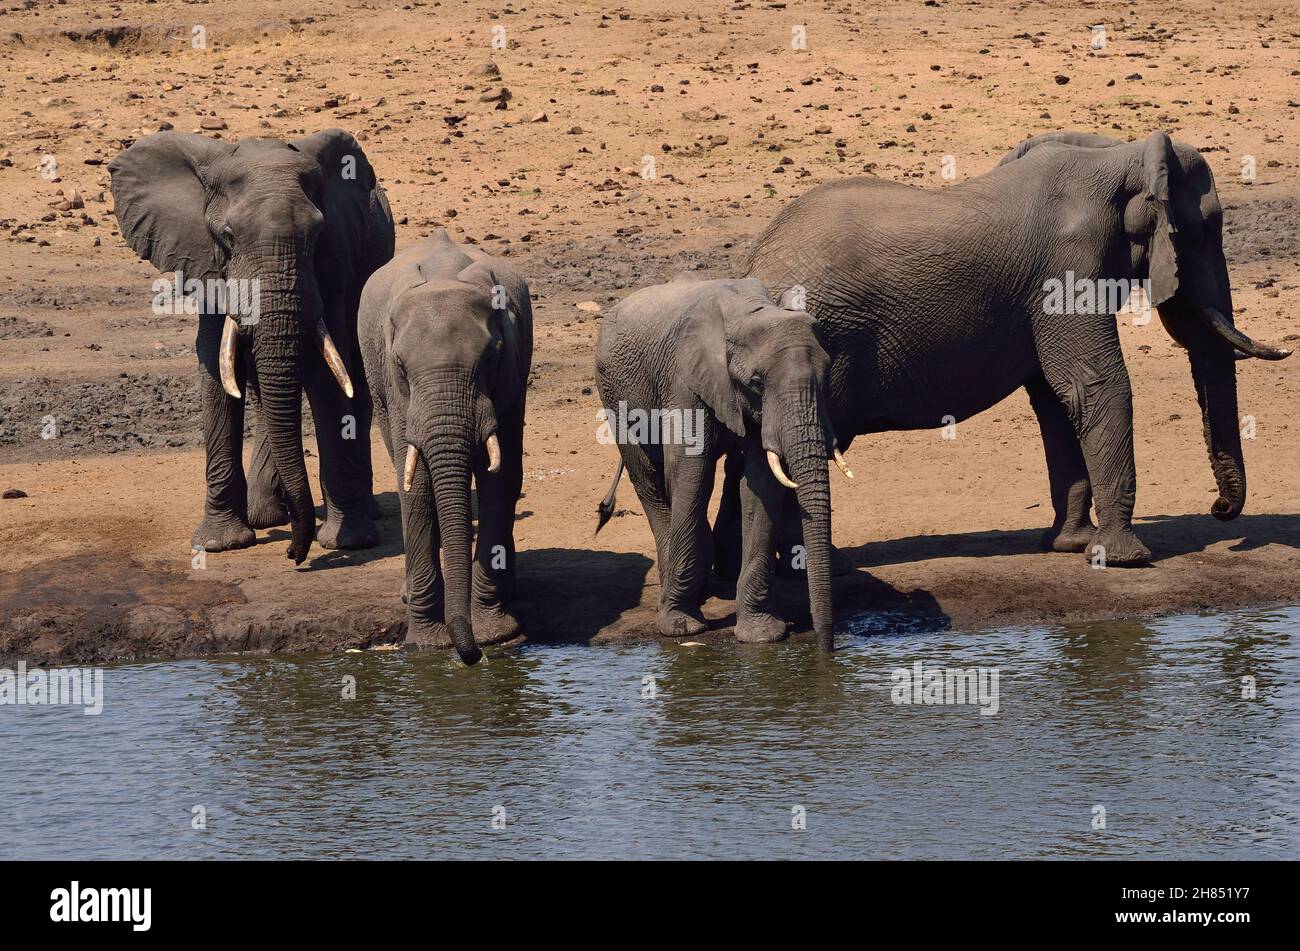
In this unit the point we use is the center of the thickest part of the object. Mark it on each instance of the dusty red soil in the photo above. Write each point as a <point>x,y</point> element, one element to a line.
<point>95,559</point>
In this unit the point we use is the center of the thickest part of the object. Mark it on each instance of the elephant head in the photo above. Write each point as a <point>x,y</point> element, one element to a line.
<point>762,371</point>
<point>452,359</point>
<point>275,216</point>
<point>1173,223</point>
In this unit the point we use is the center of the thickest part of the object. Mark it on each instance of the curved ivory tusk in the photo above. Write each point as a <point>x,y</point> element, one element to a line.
<point>332,357</point>
<point>494,453</point>
<point>844,466</point>
<point>408,471</point>
<point>226,360</point>
<point>774,463</point>
<point>1223,327</point>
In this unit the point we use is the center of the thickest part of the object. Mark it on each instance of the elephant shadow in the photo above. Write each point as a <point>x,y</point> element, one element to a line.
<point>1168,536</point>
<point>569,595</point>
<point>390,544</point>
<point>864,605</point>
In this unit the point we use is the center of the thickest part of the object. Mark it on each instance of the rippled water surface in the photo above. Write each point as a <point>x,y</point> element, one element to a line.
<point>560,745</point>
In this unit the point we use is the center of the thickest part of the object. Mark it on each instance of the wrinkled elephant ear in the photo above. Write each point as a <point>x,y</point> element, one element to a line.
<point>159,197</point>
<point>702,361</point>
<point>347,198</point>
<point>1162,258</point>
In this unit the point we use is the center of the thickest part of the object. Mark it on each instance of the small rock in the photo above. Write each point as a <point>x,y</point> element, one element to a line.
<point>14,494</point>
<point>702,114</point>
<point>590,306</point>
<point>213,124</point>
<point>540,117</point>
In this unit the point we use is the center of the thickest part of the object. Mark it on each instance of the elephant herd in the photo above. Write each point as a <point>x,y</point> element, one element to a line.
<point>865,306</point>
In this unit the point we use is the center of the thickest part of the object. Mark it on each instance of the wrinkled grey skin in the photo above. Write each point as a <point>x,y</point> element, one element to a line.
<point>309,222</point>
<point>447,340</point>
<point>757,373</point>
<point>931,304</point>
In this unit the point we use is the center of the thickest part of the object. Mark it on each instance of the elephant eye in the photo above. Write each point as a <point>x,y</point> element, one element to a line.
<point>227,236</point>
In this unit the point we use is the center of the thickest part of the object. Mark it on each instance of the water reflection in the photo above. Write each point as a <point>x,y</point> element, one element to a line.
<point>659,750</point>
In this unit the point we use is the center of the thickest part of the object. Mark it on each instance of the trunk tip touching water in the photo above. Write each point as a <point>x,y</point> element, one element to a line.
<point>463,638</point>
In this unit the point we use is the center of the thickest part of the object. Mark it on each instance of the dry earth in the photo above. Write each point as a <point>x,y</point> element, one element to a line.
<point>95,558</point>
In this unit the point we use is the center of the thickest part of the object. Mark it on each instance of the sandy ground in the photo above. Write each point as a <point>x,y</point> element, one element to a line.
<point>96,560</point>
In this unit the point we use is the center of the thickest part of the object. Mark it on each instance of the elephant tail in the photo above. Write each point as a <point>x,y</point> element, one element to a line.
<point>606,507</point>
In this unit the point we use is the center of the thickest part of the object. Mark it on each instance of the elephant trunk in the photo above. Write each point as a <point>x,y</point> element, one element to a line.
<point>1214,374</point>
<point>278,357</point>
<point>449,471</point>
<point>805,456</point>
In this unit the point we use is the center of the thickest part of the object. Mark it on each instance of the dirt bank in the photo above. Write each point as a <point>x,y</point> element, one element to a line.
<point>95,561</point>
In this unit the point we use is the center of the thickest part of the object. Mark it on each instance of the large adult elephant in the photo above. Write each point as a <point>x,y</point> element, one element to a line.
<point>935,304</point>
<point>303,224</point>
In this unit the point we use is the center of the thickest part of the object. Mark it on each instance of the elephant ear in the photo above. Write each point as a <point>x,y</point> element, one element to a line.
<point>702,360</point>
<point>1162,257</point>
<point>349,198</point>
<point>159,195</point>
<point>512,325</point>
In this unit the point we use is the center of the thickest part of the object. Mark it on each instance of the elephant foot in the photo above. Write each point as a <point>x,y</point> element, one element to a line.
<point>221,533</point>
<point>1075,539</point>
<point>493,624</point>
<point>674,623</point>
<point>427,637</point>
<point>758,627</point>
<point>373,508</point>
<point>266,511</point>
<point>348,531</point>
<point>1119,548</point>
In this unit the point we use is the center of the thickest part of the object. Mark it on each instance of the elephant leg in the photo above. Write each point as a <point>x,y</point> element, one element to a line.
<point>1099,399</point>
<point>344,477</point>
<point>641,472</point>
<point>690,553</point>
<point>727,524</point>
<point>365,412</point>
<point>494,552</point>
<point>760,508</point>
<point>225,514</point>
<point>1067,471</point>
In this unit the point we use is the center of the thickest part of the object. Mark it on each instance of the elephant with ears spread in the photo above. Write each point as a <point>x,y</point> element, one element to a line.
<point>692,370</point>
<point>934,305</point>
<point>447,341</point>
<point>302,223</point>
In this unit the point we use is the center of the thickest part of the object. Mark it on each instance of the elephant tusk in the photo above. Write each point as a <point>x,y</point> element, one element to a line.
<point>332,357</point>
<point>1224,328</point>
<point>226,360</point>
<point>408,471</point>
<point>774,463</point>
<point>494,453</point>
<point>844,466</point>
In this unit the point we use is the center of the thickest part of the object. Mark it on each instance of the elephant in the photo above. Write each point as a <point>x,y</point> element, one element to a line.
<point>689,371</point>
<point>303,224</point>
<point>446,337</point>
<point>934,305</point>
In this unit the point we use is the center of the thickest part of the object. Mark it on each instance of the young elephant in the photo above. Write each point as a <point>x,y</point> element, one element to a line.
<point>689,371</point>
<point>447,338</point>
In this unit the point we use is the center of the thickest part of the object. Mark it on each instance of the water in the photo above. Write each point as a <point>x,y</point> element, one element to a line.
<point>1145,720</point>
